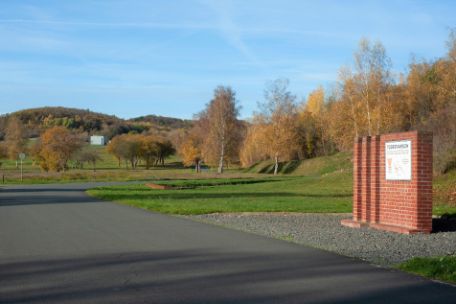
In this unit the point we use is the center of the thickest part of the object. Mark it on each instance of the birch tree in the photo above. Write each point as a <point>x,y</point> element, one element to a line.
<point>224,129</point>
<point>278,115</point>
<point>372,67</point>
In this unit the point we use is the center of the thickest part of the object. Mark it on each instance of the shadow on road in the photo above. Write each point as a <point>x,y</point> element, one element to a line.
<point>205,276</point>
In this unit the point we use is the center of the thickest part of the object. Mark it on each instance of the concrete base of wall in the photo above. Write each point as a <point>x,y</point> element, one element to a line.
<point>398,229</point>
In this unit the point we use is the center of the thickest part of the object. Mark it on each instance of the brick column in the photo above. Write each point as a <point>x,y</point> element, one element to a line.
<point>365,178</point>
<point>357,180</point>
<point>424,182</point>
<point>375,180</point>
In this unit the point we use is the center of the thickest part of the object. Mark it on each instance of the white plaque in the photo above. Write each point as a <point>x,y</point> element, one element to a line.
<point>398,160</point>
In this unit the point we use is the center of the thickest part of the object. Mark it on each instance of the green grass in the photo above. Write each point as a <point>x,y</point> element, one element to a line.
<point>444,199</point>
<point>438,268</point>
<point>331,193</point>
<point>324,185</point>
<point>314,166</point>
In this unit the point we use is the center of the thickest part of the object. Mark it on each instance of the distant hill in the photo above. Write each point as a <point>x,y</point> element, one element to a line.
<point>163,121</point>
<point>37,119</point>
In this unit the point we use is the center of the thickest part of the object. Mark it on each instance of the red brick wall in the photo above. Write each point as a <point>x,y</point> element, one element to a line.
<point>381,202</point>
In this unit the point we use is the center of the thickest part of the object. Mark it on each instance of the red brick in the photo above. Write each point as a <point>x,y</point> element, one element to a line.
<point>400,206</point>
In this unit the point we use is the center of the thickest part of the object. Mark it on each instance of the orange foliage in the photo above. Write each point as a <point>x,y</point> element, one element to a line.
<point>56,147</point>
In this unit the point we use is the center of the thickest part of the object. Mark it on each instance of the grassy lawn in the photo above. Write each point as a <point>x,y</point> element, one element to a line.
<point>321,184</point>
<point>439,268</point>
<point>331,193</point>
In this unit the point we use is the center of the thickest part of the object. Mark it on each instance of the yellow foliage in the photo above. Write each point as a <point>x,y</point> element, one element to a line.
<point>57,145</point>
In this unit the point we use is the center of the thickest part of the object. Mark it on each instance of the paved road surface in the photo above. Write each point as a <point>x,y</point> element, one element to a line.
<point>59,246</point>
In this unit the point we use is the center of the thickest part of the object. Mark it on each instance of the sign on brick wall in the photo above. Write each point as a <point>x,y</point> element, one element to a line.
<point>398,160</point>
<point>392,182</point>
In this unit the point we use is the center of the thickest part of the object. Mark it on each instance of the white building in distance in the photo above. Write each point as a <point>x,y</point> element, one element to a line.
<point>97,140</point>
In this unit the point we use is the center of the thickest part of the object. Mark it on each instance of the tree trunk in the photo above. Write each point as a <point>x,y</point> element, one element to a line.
<point>369,123</point>
<point>222,156</point>
<point>355,124</point>
<point>276,165</point>
<point>198,166</point>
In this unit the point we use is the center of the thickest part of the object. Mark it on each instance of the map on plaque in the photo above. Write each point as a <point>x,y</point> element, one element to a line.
<point>398,160</point>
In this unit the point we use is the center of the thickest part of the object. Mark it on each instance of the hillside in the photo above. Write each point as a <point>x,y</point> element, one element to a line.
<point>163,121</point>
<point>37,119</point>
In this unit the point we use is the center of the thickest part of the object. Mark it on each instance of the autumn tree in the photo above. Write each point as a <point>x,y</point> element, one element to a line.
<point>56,147</point>
<point>88,156</point>
<point>372,77</point>
<point>15,138</point>
<point>278,117</point>
<point>117,148</point>
<point>149,150</point>
<point>127,147</point>
<point>155,149</point>
<point>312,124</point>
<point>222,142</point>
<point>192,141</point>
<point>191,153</point>
<point>3,152</point>
<point>165,149</point>
<point>254,145</point>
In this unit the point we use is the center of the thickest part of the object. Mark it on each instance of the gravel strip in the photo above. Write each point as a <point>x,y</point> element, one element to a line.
<point>324,231</point>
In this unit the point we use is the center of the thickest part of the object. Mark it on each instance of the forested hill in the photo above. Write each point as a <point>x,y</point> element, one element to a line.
<point>37,119</point>
<point>170,122</point>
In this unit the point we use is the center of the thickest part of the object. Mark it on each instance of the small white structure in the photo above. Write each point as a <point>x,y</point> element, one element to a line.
<point>97,140</point>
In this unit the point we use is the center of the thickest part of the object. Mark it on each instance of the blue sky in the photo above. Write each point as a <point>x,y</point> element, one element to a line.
<point>132,58</point>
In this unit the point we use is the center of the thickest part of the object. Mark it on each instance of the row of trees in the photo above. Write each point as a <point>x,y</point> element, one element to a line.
<point>132,148</point>
<point>59,148</point>
<point>367,100</point>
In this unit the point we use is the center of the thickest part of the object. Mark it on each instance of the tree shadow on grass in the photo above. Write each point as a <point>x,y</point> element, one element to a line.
<point>182,195</point>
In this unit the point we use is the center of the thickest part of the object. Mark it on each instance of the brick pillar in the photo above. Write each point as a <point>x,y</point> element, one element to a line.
<point>423,173</point>
<point>375,179</point>
<point>357,179</point>
<point>365,178</point>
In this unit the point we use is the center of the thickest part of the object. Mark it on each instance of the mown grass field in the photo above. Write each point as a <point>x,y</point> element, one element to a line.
<point>316,185</point>
<point>280,194</point>
<point>438,268</point>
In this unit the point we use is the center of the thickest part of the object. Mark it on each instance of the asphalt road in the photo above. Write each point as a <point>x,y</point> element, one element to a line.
<point>58,245</point>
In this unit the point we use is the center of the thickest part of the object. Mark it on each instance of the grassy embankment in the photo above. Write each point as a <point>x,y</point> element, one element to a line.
<point>317,185</point>
<point>438,268</point>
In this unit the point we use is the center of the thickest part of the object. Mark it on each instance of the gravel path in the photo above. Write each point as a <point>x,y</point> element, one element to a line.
<point>325,232</point>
